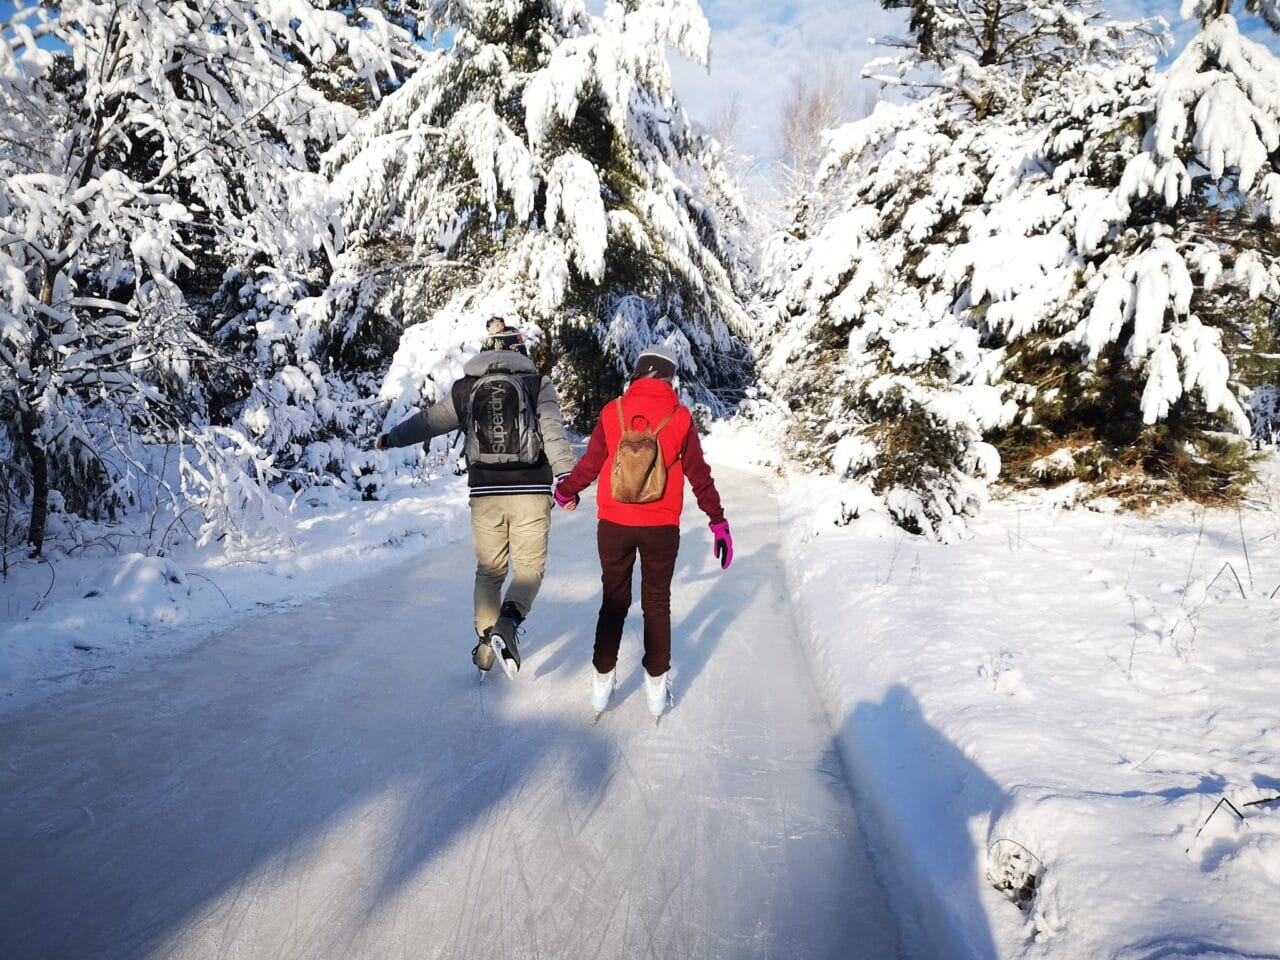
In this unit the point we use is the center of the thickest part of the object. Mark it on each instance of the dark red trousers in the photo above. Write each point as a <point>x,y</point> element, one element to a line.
<point>657,548</point>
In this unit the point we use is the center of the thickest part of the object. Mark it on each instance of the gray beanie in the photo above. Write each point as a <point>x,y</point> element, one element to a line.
<point>656,361</point>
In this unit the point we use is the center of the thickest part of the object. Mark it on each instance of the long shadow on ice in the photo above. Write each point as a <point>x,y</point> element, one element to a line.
<point>917,792</point>
<point>292,775</point>
<point>751,594</point>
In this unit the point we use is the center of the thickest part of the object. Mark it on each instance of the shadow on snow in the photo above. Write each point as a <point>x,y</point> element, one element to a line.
<point>902,768</point>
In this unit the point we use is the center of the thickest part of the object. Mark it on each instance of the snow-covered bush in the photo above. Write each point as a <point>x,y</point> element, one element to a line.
<point>229,478</point>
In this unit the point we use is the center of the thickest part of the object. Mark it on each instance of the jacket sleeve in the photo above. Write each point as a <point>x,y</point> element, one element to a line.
<point>698,471</point>
<point>589,467</point>
<point>440,417</point>
<point>551,422</point>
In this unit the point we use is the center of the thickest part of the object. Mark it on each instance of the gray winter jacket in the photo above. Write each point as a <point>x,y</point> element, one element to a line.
<point>442,417</point>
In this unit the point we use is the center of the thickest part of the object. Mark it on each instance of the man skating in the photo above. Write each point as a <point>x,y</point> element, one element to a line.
<point>515,447</point>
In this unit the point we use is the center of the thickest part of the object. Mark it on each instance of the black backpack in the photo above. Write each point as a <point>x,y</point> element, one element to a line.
<point>499,414</point>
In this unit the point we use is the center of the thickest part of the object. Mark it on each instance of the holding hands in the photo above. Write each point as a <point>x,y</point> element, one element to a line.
<point>565,502</point>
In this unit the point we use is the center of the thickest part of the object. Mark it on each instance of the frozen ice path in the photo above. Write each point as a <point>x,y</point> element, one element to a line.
<point>330,781</point>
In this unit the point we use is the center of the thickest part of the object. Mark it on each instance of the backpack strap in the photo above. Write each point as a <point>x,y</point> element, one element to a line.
<point>532,383</point>
<point>666,419</point>
<point>622,423</point>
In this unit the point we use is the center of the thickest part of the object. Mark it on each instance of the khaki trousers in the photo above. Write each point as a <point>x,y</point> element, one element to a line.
<point>508,531</point>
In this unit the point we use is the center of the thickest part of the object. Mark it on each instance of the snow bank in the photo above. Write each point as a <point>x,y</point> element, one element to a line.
<point>1078,707</point>
<point>97,611</point>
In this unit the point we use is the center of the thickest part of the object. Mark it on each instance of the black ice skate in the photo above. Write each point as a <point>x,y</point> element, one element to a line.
<point>503,639</point>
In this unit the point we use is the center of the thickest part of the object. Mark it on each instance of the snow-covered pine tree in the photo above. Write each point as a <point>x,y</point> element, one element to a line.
<point>539,167</point>
<point>877,338</point>
<point>1146,271</point>
<point>880,378</point>
<point>1171,212</point>
<point>138,138</point>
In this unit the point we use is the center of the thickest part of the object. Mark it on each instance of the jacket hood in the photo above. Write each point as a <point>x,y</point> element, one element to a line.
<point>508,360</point>
<point>654,387</point>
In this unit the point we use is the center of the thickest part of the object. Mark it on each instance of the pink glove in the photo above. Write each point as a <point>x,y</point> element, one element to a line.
<point>562,500</point>
<point>723,546</point>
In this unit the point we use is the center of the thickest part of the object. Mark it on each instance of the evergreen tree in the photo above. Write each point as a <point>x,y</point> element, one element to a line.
<point>1083,246</point>
<point>1132,376</point>
<point>539,168</point>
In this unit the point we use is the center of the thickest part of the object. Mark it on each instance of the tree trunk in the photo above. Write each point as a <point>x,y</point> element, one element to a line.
<point>31,425</point>
<point>991,36</point>
<point>39,480</point>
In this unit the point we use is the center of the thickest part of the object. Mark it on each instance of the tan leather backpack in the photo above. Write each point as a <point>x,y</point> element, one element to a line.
<point>639,470</point>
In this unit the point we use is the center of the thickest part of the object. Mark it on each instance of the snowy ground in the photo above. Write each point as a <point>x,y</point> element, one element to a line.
<point>1086,697</point>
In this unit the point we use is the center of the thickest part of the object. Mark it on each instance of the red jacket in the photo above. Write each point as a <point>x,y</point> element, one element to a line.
<point>647,399</point>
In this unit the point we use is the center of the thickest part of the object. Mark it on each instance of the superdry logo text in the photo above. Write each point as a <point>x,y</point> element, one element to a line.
<point>497,428</point>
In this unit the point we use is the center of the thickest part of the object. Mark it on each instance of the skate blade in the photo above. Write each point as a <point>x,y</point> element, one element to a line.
<point>666,708</point>
<point>657,717</point>
<point>508,665</point>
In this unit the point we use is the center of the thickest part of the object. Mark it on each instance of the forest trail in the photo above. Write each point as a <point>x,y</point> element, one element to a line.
<point>330,781</point>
